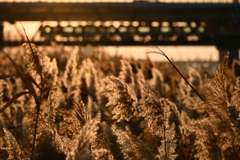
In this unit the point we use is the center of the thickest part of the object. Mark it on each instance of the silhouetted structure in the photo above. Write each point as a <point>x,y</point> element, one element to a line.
<point>164,23</point>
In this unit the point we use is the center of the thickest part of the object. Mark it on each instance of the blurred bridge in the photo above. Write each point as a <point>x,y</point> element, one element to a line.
<point>163,23</point>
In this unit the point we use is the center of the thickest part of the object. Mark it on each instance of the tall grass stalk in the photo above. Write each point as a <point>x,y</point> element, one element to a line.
<point>38,101</point>
<point>28,81</point>
<point>163,54</point>
<point>39,71</point>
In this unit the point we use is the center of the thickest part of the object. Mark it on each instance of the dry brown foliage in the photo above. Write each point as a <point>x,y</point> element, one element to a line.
<point>107,107</point>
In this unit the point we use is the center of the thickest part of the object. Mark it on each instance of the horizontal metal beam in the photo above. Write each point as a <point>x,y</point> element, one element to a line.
<point>197,12</point>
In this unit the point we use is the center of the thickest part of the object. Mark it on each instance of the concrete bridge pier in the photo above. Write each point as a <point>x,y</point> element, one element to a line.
<point>233,53</point>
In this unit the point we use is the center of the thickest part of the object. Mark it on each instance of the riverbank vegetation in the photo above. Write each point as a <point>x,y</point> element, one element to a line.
<point>105,107</point>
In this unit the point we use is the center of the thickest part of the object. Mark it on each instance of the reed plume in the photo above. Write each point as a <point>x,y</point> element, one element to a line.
<point>121,99</point>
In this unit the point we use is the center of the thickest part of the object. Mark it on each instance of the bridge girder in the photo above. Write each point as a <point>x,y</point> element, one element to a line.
<point>197,12</point>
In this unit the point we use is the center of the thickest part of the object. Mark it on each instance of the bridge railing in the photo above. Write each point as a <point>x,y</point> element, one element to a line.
<point>164,32</point>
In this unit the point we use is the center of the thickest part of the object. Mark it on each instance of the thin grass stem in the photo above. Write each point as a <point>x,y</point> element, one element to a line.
<point>35,135</point>
<point>185,79</point>
<point>163,54</point>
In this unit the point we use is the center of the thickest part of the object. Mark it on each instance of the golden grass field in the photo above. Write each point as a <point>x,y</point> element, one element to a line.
<point>61,105</point>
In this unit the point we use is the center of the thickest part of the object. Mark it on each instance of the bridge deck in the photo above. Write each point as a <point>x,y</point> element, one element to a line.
<point>196,12</point>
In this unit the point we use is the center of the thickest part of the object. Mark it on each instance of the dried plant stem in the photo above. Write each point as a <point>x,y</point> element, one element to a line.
<point>38,104</point>
<point>165,142</point>
<point>163,54</point>
<point>35,135</point>
<point>35,128</point>
<point>185,79</point>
